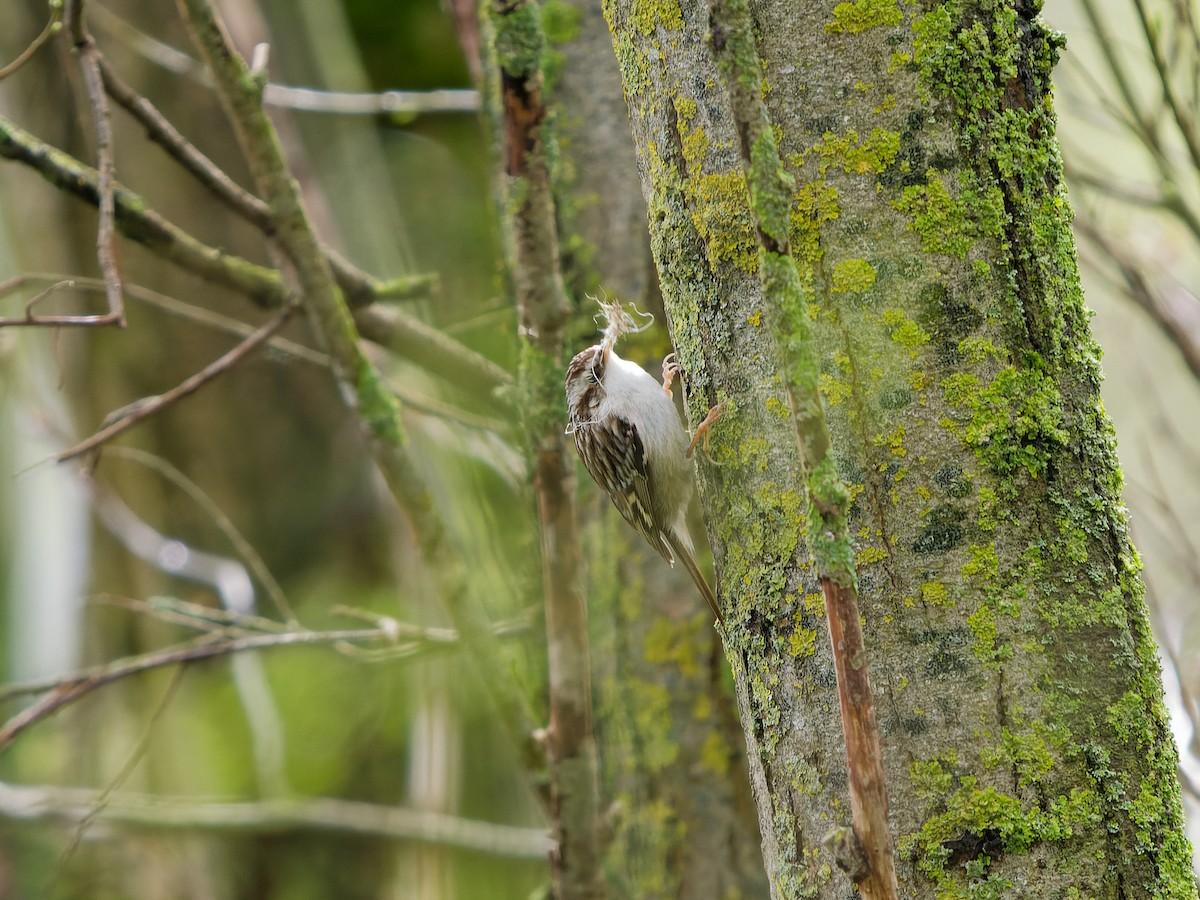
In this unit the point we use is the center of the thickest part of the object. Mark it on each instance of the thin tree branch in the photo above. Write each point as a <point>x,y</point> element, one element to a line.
<point>125,418</point>
<point>184,152</point>
<point>410,640</point>
<point>413,401</point>
<point>195,616</point>
<point>67,689</point>
<point>1178,319</point>
<point>47,803</point>
<point>106,235</point>
<point>394,103</point>
<point>1183,121</point>
<point>135,755</point>
<point>360,287</point>
<point>242,547</point>
<point>405,335</point>
<point>240,92</point>
<point>383,103</point>
<point>53,26</point>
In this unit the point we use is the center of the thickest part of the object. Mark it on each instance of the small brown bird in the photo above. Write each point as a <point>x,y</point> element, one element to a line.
<point>633,444</point>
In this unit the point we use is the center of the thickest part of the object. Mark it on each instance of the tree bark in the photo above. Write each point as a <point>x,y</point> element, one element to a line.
<point>1017,686</point>
<point>680,819</point>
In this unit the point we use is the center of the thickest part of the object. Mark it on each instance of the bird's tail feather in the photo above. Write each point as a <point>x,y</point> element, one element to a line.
<point>684,554</point>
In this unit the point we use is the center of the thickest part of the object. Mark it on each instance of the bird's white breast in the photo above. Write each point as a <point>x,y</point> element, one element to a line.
<point>632,394</point>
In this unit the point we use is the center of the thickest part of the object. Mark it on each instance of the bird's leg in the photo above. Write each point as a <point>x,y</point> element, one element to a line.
<point>670,371</point>
<point>702,432</point>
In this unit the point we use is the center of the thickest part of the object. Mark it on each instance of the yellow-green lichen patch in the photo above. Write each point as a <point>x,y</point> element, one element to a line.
<point>983,626</point>
<point>852,276</point>
<point>802,642</point>
<point>905,331</point>
<point>868,555</point>
<point>869,156</point>
<point>984,564</point>
<point>519,40</point>
<point>632,63</point>
<point>646,15</point>
<point>983,811</point>
<point>778,408</point>
<point>942,222</point>
<point>932,779</point>
<point>378,406</point>
<point>1015,422</point>
<point>935,593</point>
<point>989,508</point>
<point>894,441</point>
<point>815,204</point>
<point>721,216</point>
<point>860,15</point>
<point>977,350</point>
<point>1029,752</point>
<point>694,141</point>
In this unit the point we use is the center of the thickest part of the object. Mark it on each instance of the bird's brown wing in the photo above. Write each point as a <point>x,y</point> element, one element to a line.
<point>612,452</point>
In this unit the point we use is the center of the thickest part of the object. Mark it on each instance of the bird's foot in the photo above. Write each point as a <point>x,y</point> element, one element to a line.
<point>702,432</point>
<point>670,371</point>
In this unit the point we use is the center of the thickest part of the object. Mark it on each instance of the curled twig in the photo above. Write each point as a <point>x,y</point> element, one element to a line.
<point>53,25</point>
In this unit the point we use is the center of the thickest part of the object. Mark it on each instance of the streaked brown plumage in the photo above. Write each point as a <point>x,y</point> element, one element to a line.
<point>633,444</point>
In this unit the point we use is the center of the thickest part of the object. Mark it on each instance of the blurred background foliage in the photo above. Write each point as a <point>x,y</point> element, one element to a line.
<point>274,449</point>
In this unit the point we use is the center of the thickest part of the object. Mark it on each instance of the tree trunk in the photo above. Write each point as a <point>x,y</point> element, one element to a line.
<point>681,820</point>
<point>1016,681</point>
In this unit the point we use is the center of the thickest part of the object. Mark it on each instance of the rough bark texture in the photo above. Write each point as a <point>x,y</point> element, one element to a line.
<point>681,822</point>
<point>1025,743</point>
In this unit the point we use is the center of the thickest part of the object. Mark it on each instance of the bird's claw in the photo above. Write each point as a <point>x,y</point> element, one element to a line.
<point>702,432</point>
<point>670,371</point>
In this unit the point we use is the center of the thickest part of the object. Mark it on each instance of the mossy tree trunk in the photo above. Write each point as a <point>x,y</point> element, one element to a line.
<point>1016,680</point>
<point>682,823</point>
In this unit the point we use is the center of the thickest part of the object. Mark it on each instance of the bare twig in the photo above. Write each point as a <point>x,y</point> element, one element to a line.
<point>135,755</point>
<point>127,417</point>
<point>412,400</point>
<point>53,25</point>
<point>1177,317</point>
<point>360,287</point>
<point>1185,124</point>
<point>405,335</point>
<point>196,616</point>
<point>46,803</point>
<point>106,233</point>
<point>244,549</point>
<point>357,377</point>
<point>160,130</point>
<point>29,319</point>
<point>410,641</point>
<point>65,690</point>
<point>397,103</point>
